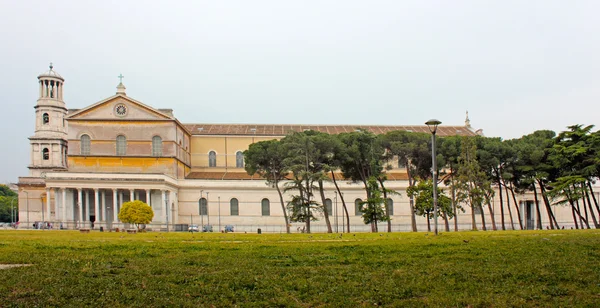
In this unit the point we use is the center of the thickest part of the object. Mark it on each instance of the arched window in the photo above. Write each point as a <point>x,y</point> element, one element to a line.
<point>234,207</point>
<point>203,206</point>
<point>156,146</point>
<point>45,118</point>
<point>239,159</point>
<point>85,145</point>
<point>266,207</point>
<point>390,206</point>
<point>329,206</point>
<point>212,159</point>
<point>121,145</point>
<point>46,154</point>
<point>358,207</point>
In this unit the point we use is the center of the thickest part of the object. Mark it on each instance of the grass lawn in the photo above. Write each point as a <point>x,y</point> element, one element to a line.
<point>465,269</point>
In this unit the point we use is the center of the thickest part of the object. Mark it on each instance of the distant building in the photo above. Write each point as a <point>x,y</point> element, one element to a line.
<point>86,162</point>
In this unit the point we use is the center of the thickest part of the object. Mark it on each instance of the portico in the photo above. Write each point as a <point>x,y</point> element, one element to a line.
<point>94,201</point>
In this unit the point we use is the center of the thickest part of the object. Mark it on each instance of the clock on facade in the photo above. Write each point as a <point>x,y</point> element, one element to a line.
<point>121,110</point>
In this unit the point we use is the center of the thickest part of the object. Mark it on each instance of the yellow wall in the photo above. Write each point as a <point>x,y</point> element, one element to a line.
<point>225,146</point>
<point>125,165</point>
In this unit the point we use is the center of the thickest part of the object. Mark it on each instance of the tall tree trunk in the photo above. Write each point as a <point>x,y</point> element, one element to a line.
<point>537,207</point>
<point>303,202</point>
<point>428,223</point>
<point>512,222</point>
<point>578,211</point>
<point>484,228</point>
<point>285,216</point>
<point>305,197</point>
<point>473,221</point>
<point>454,207</point>
<point>325,213</point>
<point>585,211</point>
<point>489,204</point>
<point>446,224</point>
<point>411,183</point>
<point>343,202</point>
<point>387,207</point>
<point>552,218</point>
<point>594,198</point>
<point>501,200</point>
<point>581,219</point>
<point>516,206</point>
<point>370,206</point>
<point>589,203</point>
<point>574,217</point>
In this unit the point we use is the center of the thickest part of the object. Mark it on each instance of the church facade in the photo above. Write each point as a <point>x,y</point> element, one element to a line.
<point>85,163</point>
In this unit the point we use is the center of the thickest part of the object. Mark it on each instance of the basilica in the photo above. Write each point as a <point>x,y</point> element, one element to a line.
<point>86,162</point>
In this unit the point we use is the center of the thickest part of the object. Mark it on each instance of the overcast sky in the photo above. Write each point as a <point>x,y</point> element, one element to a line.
<point>516,66</point>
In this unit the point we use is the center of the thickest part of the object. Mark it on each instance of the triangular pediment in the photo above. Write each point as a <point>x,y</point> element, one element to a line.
<point>119,107</point>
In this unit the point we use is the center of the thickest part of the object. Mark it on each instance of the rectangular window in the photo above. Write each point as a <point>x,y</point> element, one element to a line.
<point>121,146</point>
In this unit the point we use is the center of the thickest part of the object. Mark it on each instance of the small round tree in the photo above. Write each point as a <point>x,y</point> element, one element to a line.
<point>136,212</point>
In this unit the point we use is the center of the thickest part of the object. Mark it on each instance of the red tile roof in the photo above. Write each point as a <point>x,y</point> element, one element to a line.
<point>284,129</point>
<point>244,176</point>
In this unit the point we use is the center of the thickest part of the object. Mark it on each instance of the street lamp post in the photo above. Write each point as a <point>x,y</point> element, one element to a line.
<point>207,212</point>
<point>343,218</point>
<point>336,213</point>
<point>200,205</point>
<point>433,125</point>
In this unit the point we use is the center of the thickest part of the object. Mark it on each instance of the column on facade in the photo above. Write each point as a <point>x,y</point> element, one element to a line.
<point>175,210</point>
<point>168,206</point>
<point>80,205</point>
<point>88,212</point>
<point>121,201</point>
<point>115,203</point>
<point>56,204</point>
<point>48,204</point>
<point>96,205</point>
<point>148,197</point>
<point>131,197</point>
<point>64,204</point>
<point>163,207</point>
<point>104,220</point>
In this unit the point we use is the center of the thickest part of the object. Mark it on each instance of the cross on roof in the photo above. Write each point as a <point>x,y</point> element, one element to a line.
<point>121,78</point>
<point>51,66</point>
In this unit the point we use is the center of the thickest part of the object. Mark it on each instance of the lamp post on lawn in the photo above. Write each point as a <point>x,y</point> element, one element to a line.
<point>336,213</point>
<point>433,125</point>
<point>207,212</point>
<point>343,218</point>
<point>200,205</point>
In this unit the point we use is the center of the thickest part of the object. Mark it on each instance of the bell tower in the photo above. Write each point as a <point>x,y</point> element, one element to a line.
<point>49,142</point>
